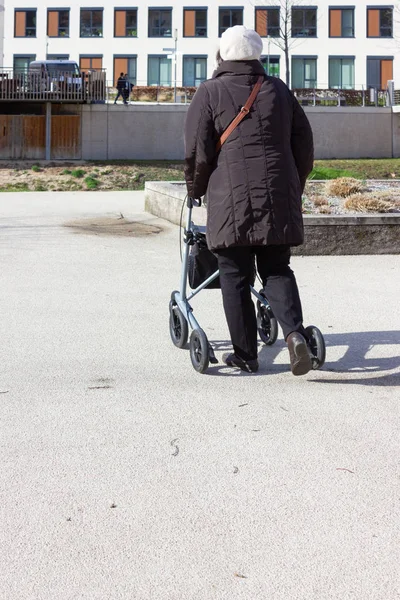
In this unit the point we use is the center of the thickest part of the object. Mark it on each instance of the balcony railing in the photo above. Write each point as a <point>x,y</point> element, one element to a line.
<point>57,86</point>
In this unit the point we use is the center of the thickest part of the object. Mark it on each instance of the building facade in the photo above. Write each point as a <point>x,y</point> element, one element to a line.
<point>333,43</point>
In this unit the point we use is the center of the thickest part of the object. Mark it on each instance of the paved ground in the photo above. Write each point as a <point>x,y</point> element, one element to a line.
<point>126,475</point>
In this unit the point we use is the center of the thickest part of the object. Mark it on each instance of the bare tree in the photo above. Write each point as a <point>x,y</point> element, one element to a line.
<point>284,41</point>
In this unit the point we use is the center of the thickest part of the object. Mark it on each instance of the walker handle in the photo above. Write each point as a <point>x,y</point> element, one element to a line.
<point>191,202</point>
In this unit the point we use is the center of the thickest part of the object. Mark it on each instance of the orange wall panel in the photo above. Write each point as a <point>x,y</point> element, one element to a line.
<point>190,23</point>
<point>261,22</point>
<point>335,23</point>
<point>84,64</point>
<point>20,23</point>
<point>120,23</point>
<point>52,23</point>
<point>97,63</point>
<point>373,22</point>
<point>120,66</point>
<point>386,72</point>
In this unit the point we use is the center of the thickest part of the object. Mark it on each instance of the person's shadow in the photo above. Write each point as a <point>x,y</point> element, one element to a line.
<point>353,350</point>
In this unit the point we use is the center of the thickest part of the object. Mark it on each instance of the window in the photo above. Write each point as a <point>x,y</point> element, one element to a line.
<point>159,71</point>
<point>379,72</point>
<point>21,63</point>
<point>304,73</point>
<point>126,65</point>
<point>341,73</point>
<point>268,22</point>
<point>25,23</point>
<point>125,22</point>
<point>58,23</point>
<point>91,63</point>
<point>380,22</point>
<point>194,22</point>
<point>91,22</point>
<point>341,22</point>
<point>194,70</point>
<point>304,22</point>
<point>57,57</point>
<point>271,65</point>
<point>228,17</point>
<point>160,22</point>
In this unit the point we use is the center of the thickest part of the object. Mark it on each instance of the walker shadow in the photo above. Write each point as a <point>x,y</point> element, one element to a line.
<point>354,359</point>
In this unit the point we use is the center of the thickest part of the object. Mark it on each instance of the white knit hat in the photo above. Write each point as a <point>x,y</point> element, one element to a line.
<point>240,43</point>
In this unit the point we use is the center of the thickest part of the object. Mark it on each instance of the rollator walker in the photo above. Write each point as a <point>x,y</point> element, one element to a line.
<point>181,316</point>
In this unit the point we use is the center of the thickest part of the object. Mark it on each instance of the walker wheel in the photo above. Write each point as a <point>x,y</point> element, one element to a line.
<point>178,327</point>
<point>266,323</point>
<point>199,350</point>
<point>316,343</point>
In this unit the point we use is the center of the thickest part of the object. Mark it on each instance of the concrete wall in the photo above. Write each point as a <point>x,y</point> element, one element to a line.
<point>133,132</point>
<point>351,132</point>
<point>396,131</point>
<point>144,131</point>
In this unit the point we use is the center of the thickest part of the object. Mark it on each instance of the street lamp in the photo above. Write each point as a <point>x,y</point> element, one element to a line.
<point>176,61</point>
<point>174,57</point>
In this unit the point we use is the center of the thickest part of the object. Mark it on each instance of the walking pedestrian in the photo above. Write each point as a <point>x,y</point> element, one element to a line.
<point>254,185</point>
<point>121,88</point>
<point>128,88</point>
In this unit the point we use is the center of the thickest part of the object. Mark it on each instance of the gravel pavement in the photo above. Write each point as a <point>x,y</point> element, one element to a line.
<point>127,475</point>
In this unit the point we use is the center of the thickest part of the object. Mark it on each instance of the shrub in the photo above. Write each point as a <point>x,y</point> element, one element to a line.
<point>91,183</point>
<point>66,172</point>
<point>79,173</point>
<point>343,187</point>
<point>15,187</point>
<point>367,203</point>
<point>71,185</point>
<point>36,168</point>
<point>138,177</point>
<point>39,187</point>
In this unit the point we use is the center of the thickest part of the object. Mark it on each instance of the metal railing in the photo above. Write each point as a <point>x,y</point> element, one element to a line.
<point>307,97</point>
<point>57,86</point>
<point>151,93</point>
<point>336,97</point>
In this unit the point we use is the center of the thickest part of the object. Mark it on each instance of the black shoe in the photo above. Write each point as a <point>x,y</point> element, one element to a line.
<point>231,360</point>
<point>300,359</point>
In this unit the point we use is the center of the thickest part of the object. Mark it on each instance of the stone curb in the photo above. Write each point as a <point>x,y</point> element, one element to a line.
<point>324,234</point>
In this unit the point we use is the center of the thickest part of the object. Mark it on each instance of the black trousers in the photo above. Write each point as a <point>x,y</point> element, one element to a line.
<point>280,287</point>
<point>121,93</point>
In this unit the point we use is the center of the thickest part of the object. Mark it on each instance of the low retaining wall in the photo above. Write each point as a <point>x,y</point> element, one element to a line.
<point>324,234</point>
<point>155,131</point>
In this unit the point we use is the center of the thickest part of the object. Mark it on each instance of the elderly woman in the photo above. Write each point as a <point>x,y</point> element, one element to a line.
<point>254,185</point>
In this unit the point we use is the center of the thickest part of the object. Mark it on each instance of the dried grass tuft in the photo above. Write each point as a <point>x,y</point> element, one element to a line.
<point>325,210</point>
<point>367,203</point>
<point>343,187</point>
<point>319,201</point>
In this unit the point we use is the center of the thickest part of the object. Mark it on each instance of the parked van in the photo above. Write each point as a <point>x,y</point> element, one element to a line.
<point>54,75</point>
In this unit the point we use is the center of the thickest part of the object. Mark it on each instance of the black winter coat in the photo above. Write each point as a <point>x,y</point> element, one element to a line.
<point>121,84</point>
<point>255,183</point>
